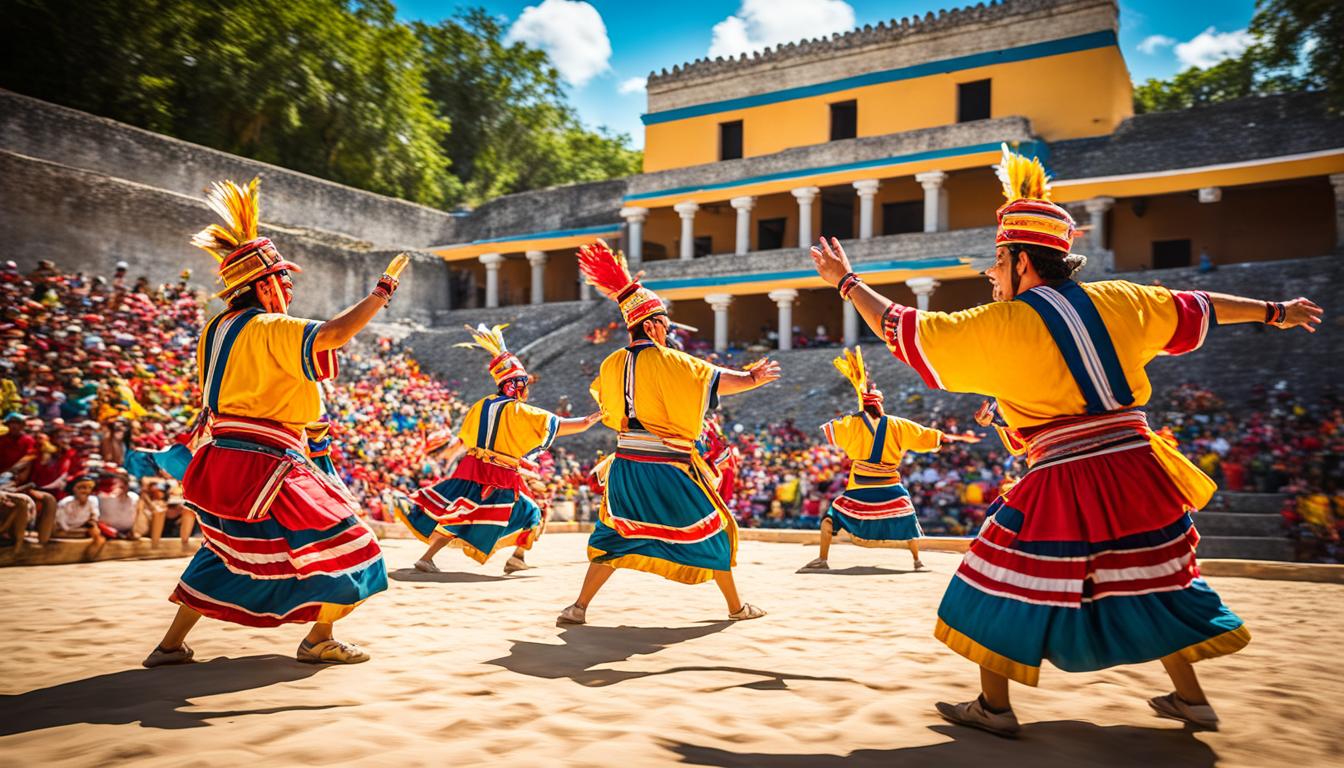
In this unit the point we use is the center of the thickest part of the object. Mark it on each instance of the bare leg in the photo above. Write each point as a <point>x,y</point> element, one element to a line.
<point>176,635</point>
<point>46,515</point>
<point>156,528</point>
<point>592,581</point>
<point>995,689</point>
<point>436,543</point>
<point>519,552</point>
<point>1182,675</point>
<point>186,524</point>
<point>827,531</point>
<point>724,579</point>
<point>17,523</point>
<point>96,545</point>
<point>320,632</point>
<point>914,549</point>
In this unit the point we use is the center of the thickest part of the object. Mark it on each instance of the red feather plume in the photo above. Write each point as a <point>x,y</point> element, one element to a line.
<point>604,268</point>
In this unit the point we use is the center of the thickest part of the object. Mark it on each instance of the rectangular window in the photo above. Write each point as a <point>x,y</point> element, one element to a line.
<point>837,213</point>
<point>899,218</point>
<point>730,140</point>
<point>703,246</point>
<point>844,120</point>
<point>769,234</point>
<point>1169,254</point>
<point>973,101</point>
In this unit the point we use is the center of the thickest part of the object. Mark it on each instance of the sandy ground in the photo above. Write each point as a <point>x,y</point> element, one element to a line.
<point>469,669</point>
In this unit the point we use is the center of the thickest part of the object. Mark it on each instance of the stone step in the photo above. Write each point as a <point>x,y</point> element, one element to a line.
<point>1238,524</point>
<point>1246,547</point>
<point>1252,503</point>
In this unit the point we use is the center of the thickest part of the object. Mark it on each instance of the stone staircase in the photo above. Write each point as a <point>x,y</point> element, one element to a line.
<point>1245,526</point>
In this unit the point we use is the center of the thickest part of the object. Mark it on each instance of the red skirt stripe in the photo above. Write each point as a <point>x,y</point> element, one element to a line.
<point>897,507</point>
<point>992,586</point>
<point>703,529</point>
<point>255,546</point>
<point>356,555</point>
<point>229,612</point>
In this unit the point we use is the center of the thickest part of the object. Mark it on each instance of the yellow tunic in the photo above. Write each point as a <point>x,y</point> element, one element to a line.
<point>506,426</point>
<point>671,392</point>
<point>854,434</point>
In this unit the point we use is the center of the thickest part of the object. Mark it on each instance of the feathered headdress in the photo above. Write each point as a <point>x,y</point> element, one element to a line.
<point>243,257</point>
<point>850,365</point>
<point>1029,217</point>
<point>504,366</point>
<point>606,271</point>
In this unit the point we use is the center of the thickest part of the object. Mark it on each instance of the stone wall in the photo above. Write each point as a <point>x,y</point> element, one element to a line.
<point>86,221</point>
<point>69,137</point>
<point>545,210</point>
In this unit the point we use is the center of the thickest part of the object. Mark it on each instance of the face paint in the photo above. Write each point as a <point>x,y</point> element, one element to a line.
<point>279,292</point>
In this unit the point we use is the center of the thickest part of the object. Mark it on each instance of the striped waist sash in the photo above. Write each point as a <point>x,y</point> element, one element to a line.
<point>1080,438</point>
<point>646,446</point>
<point>875,473</point>
<point>497,459</point>
<point>256,433</point>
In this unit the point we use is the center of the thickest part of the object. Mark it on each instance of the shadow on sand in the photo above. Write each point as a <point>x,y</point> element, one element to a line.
<point>858,570</point>
<point>586,648</point>
<point>1057,744</point>
<point>154,698</point>
<point>449,577</point>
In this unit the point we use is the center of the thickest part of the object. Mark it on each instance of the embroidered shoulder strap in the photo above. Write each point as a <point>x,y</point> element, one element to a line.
<point>1077,328</point>
<point>628,383</point>
<point>879,441</point>
<point>220,335</point>
<point>487,431</point>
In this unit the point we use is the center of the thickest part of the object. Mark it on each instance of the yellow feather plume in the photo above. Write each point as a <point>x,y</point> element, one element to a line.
<point>489,339</point>
<point>850,365</point>
<point>1022,177</point>
<point>240,209</point>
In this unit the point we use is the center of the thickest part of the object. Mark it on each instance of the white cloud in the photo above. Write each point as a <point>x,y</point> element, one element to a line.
<point>1211,46</point>
<point>632,85</point>
<point>572,33</point>
<point>1153,43</point>
<point>762,23</point>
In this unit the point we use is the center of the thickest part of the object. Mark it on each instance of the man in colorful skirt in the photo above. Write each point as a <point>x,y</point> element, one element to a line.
<point>282,540</point>
<point>1089,560</point>
<point>661,511</point>
<point>875,508</point>
<point>485,505</point>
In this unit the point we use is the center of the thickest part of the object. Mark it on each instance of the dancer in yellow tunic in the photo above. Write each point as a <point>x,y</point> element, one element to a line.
<point>661,512</point>
<point>1089,560</point>
<point>875,508</point>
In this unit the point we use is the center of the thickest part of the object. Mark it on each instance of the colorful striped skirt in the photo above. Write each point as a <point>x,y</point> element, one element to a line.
<point>479,526</point>
<point>1088,561</point>
<point>660,514</point>
<point>282,543</point>
<point>872,516</point>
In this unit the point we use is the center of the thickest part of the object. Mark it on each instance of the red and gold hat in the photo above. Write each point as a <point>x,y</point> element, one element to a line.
<point>243,257</point>
<point>504,366</point>
<point>1029,217</point>
<point>606,271</point>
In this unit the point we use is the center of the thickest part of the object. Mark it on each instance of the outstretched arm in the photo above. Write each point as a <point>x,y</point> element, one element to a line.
<point>832,264</point>
<point>336,332</point>
<point>731,382</point>
<point>574,426</point>
<point>1297,313</point>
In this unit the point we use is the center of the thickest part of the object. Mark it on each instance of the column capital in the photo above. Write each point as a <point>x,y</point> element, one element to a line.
<point>634,214</point>
<point>536,258</point>
<point>922,286</point>
<point>491,260</point>
<point>806,194</point>
<point>867,187</point>
<point>686,209</point>
<point>1098,204</point>
<point>743,203</point>
<point>784,296</point>
<point>931,179</point>
<point>1337,179</point>
<point>719,301</point>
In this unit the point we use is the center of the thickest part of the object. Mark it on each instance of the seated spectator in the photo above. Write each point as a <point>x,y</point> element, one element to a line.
<point>171,516</point>
<point>118,507</point>
<point>77,516</point>
<point>17,511</point>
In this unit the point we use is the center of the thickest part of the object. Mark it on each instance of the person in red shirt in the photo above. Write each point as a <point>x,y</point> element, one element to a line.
<point>18,450</point>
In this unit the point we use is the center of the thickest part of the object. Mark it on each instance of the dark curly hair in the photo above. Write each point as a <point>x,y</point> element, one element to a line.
<point>1051,264</point>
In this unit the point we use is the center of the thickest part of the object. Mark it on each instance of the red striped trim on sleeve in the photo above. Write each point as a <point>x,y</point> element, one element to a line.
<point>1194,315</point>
<point>900,329</point>
<point>828,429</point>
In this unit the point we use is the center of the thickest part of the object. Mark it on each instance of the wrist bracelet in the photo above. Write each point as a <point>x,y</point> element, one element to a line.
<point>847,284</point>
<point>1280,312</point>
<point>1269,312</point>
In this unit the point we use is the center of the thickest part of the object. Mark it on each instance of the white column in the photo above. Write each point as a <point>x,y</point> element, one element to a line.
<point>1096,212</point>
<point>867,189</point>
<point>743,206</point>
<point>784,298</point>
<point>538,261</point>
<point>1337,181</point>
<point>851,324</point>
<point>923,289</point>
<point>719,303</point>
<point>805,196</point>
<point>687,211</point>
<point>935,202</point>
<point>491,262</point>
<point>634,238</point>
<point>585,290</point>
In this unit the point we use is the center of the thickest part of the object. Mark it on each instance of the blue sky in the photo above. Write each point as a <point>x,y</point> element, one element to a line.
<point>605,48</point>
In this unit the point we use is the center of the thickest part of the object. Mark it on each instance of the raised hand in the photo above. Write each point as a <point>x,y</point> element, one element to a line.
<point>1302,313</point>
<point>764,371</point>
<point>830,260</point>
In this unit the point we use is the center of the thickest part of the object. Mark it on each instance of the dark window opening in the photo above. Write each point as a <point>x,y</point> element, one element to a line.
<point>837,214</point>
<point>844,120</point>
<point>899,218</point>
<point>703,246</point>
<point>769,234</point>
<point>973,101</point>
<point>1168,254</point>
<point>730,140</point>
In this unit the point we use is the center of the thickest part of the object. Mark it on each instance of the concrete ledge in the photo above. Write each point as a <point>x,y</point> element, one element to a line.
<point>1264,569</point>
<point>66,551</point>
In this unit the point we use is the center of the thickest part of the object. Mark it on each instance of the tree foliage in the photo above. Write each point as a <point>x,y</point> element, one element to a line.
<point>1296,48</point>
<point>335,88</point>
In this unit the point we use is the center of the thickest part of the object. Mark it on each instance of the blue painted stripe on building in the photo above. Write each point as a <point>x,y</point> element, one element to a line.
<point>1027,147</point>
<point>598,230</point>
<point>760,277</point>
<point>1089,41</point>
